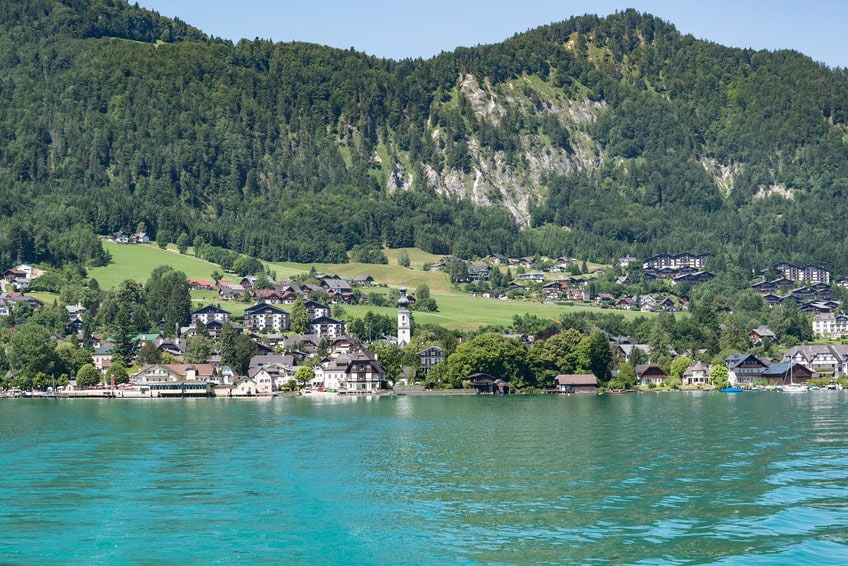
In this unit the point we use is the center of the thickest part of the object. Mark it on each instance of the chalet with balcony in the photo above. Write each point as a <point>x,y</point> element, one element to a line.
<point>696,375</point>
<point>355,373</point>
<point>650,374</point>
<point>757,336</point>
<point>326,326</point>
<point>338,290</point>
<point>228,290</point>
<point>808,273</point>
<point>266,318</point>
<point>744,369</point>
<point>829,325</point>
<point>200,285</point>
<point>269,296</point>
<point>430,357</point>
<point>316,310</point>
<point>478,273</point>
<point>829,359</point>
<point>210,314</point>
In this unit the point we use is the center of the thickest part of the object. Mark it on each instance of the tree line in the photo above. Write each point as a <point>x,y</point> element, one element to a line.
<point>117,117</point>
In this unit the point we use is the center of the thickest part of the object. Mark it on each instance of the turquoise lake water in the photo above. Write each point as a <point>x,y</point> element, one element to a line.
<point>751,478</point>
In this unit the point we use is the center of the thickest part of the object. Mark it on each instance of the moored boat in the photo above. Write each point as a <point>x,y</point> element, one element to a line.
<point>793,387</point>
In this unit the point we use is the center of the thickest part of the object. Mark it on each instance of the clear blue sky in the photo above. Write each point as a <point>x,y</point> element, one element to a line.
<point>398,29</point>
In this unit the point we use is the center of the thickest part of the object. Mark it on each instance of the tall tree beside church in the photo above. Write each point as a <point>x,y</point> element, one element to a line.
<point>299,317</point>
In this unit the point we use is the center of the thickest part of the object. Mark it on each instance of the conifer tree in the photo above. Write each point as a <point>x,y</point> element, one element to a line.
<point>299,317</point>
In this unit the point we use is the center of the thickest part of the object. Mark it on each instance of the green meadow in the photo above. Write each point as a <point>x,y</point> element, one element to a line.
<point>460,311</point>
<point>457,309</point>
<point>137,262</point>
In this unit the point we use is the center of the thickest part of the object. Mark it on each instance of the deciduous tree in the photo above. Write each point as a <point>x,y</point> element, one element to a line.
<point>32,350</point>
<point>88,375</point>
<point>304,375</point>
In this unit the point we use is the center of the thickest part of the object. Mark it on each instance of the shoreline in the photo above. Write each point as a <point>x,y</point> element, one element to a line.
<point>136,395</point>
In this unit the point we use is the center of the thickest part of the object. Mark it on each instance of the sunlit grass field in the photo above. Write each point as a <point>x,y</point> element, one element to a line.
<point>457,309</point>
<point>137,262</point>
<point>461,311</point>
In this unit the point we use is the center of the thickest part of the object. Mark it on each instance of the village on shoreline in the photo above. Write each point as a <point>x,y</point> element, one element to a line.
<point>322,358</point>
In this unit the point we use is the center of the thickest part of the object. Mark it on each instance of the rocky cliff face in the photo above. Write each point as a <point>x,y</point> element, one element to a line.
<point>513,179</point>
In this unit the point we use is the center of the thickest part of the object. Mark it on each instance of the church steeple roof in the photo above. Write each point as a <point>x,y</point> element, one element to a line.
<point>403,301</point>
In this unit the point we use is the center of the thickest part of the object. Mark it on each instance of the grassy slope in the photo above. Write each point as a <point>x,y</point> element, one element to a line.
<point>136,262</point>
<point>456,309</point>
<point>462,312</point>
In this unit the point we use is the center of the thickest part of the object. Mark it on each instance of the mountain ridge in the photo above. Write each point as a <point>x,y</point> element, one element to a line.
<point>592,137</point>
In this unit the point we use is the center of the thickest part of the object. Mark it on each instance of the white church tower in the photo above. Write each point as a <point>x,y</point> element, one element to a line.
<point>404,324</point>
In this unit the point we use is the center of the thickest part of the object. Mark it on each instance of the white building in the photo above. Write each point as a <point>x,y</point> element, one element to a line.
<point>404,322</point>
<point>359,372</point>
<point>267,317</point>
<point>830,325</point>
<point>210,313</point>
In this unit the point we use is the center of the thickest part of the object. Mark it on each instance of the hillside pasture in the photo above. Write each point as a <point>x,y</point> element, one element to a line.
<point>457,309</point>
<point>137,262</point>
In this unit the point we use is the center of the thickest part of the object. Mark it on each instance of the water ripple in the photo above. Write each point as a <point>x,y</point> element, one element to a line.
<point>541,480</point>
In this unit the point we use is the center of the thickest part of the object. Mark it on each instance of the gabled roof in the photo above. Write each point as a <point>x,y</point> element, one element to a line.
<point>285,360</point>
<point>433,347</point>
<point>808,352</point>
<point>308,340</point>
<point>170,344</point>
<point>264,308</point>
<point>736,360</point>
<point>337,284</point>
<point>763,332</point>
<point>478,268</point>
<point>650,369</point>
<point>325,320</point>
<point>697,366</point>
<point>253,371</point>
<point>784,370</point>
<point>361,360</point>
<point>268,293</point>
<point>480,378</point>
<point>180,370</point>
<point>577,379</point>
<point>214,324</point>
<point>210,309</point>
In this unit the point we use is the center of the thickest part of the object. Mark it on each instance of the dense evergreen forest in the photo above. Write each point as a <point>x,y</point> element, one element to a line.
<point>594,138</point>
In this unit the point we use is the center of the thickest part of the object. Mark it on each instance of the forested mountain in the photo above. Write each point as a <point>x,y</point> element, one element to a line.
<point>593,137</point>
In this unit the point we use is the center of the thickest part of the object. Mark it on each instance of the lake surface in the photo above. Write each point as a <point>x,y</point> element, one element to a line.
<point>752,478</point>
